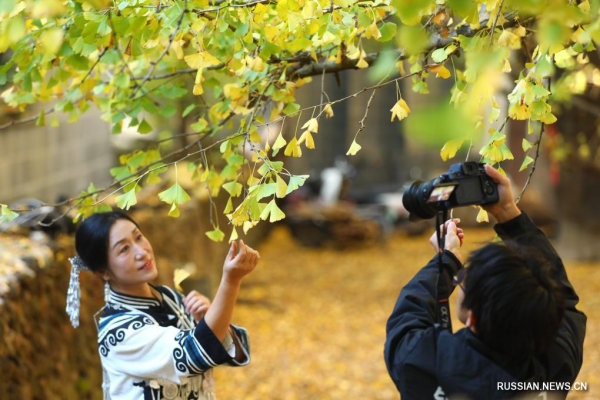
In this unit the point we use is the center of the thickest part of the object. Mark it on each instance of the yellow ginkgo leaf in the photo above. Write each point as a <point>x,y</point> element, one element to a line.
<point>506,68</point>
<point>507,38</point>
<point>249,225</point>
<point>400,110</point>
<point>328,111</point>
<point>201,60</point>
<point>372,31</point>
<point>312,125</point>
<point>198,90</point>
<point>520,31</point>
<point>362,63</point>
<point>354,148</point>
<point>234,235</point>
<point>440,71</point>
<point>307,136</point>
<point>580,36</point>
<point>482,216</point>
<point>281,187</point>
<point>293,148</point>
<point>279,142</point>
<point>519,111</point>
<point>179,276</point>
<point>584,6</point>
<point>450,148</point>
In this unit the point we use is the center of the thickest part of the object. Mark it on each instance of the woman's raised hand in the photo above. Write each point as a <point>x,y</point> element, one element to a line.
<point>237,266</point>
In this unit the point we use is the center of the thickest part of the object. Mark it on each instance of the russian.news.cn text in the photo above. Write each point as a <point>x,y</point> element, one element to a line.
<point>541,386</point>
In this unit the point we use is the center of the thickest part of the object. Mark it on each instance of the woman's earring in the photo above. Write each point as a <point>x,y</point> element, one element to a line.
<point>106,292</point>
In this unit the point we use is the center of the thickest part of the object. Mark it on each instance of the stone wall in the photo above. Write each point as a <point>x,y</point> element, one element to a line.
<point>47,162</point>
<point>41,355</point>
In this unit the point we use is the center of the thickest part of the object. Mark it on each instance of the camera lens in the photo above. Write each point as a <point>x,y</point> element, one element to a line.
<point>415,200</point>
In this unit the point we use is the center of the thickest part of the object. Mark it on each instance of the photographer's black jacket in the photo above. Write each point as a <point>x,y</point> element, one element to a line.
<point>428,362</point>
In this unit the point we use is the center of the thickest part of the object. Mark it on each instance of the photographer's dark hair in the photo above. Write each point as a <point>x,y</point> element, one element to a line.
<point>91,239</point>
<point>514,296</point>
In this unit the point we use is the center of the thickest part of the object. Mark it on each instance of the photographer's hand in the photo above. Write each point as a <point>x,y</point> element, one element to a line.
<point>453,240</point>
<point>506,208</point>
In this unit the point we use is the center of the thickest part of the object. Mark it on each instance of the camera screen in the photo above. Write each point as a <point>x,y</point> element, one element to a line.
<point>441,193</point>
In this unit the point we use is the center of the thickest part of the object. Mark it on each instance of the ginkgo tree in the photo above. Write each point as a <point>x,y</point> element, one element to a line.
<point>236,66</point>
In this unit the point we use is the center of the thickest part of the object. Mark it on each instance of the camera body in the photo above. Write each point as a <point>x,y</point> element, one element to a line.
<point>464,184</point>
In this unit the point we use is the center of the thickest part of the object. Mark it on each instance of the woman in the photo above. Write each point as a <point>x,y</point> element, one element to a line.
<point>154,343</point>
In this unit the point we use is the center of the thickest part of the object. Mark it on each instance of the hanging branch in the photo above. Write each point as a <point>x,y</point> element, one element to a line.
<point>537,154</point>
<point>365,89</point>
<point>211,203</point>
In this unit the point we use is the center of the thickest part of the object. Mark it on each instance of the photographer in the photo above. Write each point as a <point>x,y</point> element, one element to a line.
<point>518,306</point>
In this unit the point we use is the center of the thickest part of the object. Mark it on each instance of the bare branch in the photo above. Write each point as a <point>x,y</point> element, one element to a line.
<point>364,118</point>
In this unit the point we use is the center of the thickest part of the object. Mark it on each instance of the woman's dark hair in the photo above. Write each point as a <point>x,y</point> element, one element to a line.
<point>91,239</point>
<point>515,299</point>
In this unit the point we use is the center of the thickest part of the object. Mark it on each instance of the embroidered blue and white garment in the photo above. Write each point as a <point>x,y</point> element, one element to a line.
<point>155,350</point>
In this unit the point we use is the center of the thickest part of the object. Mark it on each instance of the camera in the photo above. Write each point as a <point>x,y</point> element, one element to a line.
<point>464,184</point>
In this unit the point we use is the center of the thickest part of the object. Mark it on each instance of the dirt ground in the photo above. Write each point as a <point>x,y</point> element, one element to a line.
<point>316,318</point>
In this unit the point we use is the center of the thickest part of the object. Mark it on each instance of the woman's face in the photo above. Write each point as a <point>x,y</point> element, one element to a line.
<point>130,257</point>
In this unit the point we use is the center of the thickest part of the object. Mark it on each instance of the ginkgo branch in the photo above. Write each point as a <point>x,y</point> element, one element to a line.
<point>365,89</point>
<point>364,118</point>
<point>533,164</point>
<point>188,155</point>
<point>132,175</point>
<point>495,22</point>
<point>312,69</point>
<point>537,154</point>
<point>165,51</point>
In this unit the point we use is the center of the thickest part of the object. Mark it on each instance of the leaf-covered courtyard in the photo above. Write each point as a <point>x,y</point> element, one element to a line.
<point>316,318</point>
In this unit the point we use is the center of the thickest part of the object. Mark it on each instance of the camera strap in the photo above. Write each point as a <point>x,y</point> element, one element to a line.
<point>443,292</point>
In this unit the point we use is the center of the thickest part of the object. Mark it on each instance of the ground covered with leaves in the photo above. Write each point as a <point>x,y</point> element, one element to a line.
<point>316,318</point>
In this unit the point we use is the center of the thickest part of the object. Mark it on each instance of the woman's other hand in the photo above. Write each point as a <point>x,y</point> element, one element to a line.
<point>196,304</point>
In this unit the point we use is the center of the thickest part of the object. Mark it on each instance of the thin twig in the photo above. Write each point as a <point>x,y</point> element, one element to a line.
<point>188,155</point>
<point>365,89</point>
<point>537,154</point>
<point>210,198</point>
<point>165,51</point>
<point>127,178</point>
<point>495,22</point>
<point>364,118</point>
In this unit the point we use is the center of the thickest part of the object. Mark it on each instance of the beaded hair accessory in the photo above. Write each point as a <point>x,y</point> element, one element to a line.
<point>74,292</point>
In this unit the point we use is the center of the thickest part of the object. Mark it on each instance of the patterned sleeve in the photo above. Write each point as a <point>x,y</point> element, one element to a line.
<point>137,345</point>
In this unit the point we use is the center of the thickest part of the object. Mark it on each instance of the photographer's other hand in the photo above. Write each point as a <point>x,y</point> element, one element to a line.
<point>196,304</point>
<point>237,266</point>
<point>506,208</point>
<point>453,240</point>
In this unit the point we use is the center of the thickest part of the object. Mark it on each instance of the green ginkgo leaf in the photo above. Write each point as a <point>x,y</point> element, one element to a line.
<point>127,199</point>
<point>174,195</point>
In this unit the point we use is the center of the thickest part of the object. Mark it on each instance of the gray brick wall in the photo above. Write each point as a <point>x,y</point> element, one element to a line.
<point>46,162</point>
